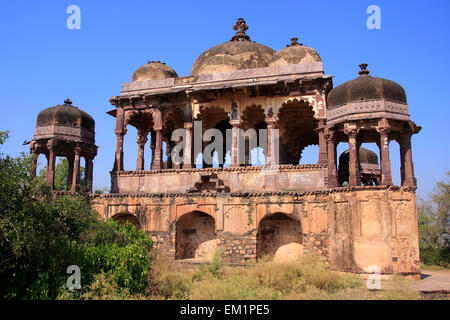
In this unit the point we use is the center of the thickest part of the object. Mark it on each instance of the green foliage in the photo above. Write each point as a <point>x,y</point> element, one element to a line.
<point>61,173</point>
<point>434,217</point>
<point>217,262</point>
<point>41,236</point>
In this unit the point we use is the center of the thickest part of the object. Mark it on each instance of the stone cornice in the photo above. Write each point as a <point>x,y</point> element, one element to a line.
<point>368,110</point>
<point>306,71</point>
<point>64,133</point>
<point>256,194</point>
<point>271,169</point>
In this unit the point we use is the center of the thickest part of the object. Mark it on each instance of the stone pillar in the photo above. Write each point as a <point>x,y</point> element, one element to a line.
<point>76,169</point>
<point>156,165</point>
<point>386,178</point>
<point>152,148</point>
<point>323,158</point>
<point>187,152</point>
<point>141,141</point>
<point>169,155</point>
<point>235,143</point>
<point>89,173</point>
<point>120,133</point>
<point>34,164</point>
<point>353,164</point>
<point>272,144</point>
<point>405,142</point>
<point>70,173</point>
<point>331,159</point>
<point>50,177</point>
<point>247,151</point>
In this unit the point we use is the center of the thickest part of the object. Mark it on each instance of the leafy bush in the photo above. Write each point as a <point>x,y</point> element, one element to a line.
<point>41,236</point>
<point>434,219</point>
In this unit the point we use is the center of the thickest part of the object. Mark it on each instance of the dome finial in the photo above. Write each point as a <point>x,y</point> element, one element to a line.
<point>363,70</point>
<point>294,42</point>
<point>68,102</point>
<point>240,28</point>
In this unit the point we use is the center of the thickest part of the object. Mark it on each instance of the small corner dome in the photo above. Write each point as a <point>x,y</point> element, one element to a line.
<point>153,70</point>
<point>366,156</point>
<point>65,115</point>
<point>294,53</point>
<point>365,88</point>
<point>237,54</point>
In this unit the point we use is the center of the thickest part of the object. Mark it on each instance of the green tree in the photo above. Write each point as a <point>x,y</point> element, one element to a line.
<point>434,218</point>
<point>61,173</point>
<point>40,236</point>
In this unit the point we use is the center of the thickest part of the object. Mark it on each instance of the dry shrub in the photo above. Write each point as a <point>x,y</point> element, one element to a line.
<point>399,288</point>
<point>307,278</point>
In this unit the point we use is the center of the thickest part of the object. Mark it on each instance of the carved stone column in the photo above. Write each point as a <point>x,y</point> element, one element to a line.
<point>157,155</point>
<point>70,172</point>
<point>120,133</point>
<point>50,177</point>
<point>187,152</point>
<point>353,163</point>
<point>247,152</point>
<point>141,141</point>
<point>76,168</point>
<point>331,159</point>
<point>235,143</point>
<point>272,143</point>
<point>169,155</point>
<point>323,158</point>
<point>89,170</point>
<point>406,159</point>
<point>152,148</point>
<point>34,165</point>
<point>386,177</point>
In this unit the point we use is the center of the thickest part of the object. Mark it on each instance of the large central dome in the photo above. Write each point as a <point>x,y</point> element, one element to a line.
<point>237,54</point>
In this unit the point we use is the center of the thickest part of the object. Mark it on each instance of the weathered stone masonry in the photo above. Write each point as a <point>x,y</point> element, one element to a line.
<point>350,228</point>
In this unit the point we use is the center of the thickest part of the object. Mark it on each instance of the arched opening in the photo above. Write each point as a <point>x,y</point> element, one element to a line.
<point>310,154</point>
<point>173,120</point>
<point>214,118</point>
<point>369,166</point>
<point>130,150</point>
<point>123,218</point>
<point>279,237</point>
<point>296,125</point>
<point>394,157</point>
<point>195,236</point>
<point>139,125</point>
<point>253,117</point>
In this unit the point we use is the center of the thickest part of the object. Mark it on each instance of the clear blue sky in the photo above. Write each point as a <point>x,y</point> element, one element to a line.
<point>43,62</point>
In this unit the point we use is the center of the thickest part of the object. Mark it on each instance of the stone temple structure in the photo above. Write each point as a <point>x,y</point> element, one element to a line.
<point>354,217</point>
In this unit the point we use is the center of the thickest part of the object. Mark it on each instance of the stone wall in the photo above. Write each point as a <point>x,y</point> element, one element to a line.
<point>242,179</point>
<point>352,229</point>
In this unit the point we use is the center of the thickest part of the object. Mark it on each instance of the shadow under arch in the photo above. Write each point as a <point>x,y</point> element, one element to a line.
<point>279,237</point>
<point>195,236</point>
<point>123,218</point>
<point>296,124</point>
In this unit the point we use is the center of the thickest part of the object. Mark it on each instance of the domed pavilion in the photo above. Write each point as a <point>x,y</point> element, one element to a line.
<point>65,131</point>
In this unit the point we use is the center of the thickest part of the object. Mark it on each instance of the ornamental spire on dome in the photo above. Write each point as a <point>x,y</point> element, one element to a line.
<point>294,42</point>
<point>363,71</point>
<point>240,28</point>
<point>68,102</point>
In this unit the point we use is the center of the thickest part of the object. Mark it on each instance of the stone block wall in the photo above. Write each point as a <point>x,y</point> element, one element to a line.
<point>351,229</point>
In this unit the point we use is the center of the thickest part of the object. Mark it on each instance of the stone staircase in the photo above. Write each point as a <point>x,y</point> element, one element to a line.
<point>209,182</point>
